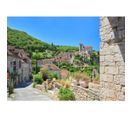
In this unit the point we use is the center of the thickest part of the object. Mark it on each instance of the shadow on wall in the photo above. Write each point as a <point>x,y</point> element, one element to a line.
<point>118,26</point>
<point>23,84</point>
<point>122,50</point>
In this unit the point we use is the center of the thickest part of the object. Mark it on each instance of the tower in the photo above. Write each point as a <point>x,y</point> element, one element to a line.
<point>81,47</point>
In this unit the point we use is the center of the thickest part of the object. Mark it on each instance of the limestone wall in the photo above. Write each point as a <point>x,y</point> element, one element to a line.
<point>112,58</point>
<point>85,94</point>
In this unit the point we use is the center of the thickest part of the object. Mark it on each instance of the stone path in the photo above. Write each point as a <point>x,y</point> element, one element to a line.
<point>28,94</point>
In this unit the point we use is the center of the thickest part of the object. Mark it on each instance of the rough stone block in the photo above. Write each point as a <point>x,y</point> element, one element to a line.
<point>120,63</point>
<point>102,69</point>
<point>105,63</point>
<point>123,89</point>
<point>111,93</point>
<point>102,53</point>
<point>120,96</point>
<point>121,69</point>
<point>101,45</point>
<point>110,78</point>
<point>109,58</point>
<point>104,22</point>
<point>103,78</point>
<point>122,80</point>
<point>111,70</point>
<point>117,87</point>
<point>106,85</point>
<point>117,79</point>
<point>101,58</point>
<point>111,85</point>
<point>118,57</point>
<point>115,49</point>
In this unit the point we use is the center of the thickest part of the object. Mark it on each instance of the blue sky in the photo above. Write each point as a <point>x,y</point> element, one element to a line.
<point>60,30</point>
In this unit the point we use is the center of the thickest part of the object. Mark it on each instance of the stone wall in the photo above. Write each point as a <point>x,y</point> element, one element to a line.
<point>112,58</point>
<point>85,94</point>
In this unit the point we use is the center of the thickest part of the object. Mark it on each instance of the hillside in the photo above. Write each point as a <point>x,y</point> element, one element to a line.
<point>30,44</point>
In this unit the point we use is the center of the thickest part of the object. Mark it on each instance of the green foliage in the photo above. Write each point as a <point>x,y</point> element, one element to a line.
<point>67,49</point>
<point>30,44</point>
<point>23,40</point>
<point>48,74</point>
<point>67,66</point>
<point>52,75</point>
<point>38,78</point>
<point>66,94</point>
<point>11,87</point>
<point>97,77</point>
<point>34,85</point>
<point>44,70</point>
<point>81,76</point>
<point>94,58</point>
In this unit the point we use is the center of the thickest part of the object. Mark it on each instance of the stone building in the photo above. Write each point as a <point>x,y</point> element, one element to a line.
<point>44,61</point>
<point>112,58</point>
<point>19,63</point>
<point>62,57</point>
<point>85,49</point>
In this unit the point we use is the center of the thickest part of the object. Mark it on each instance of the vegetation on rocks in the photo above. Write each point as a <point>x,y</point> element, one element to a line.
<point>66,94</point>
<point>37,78</point>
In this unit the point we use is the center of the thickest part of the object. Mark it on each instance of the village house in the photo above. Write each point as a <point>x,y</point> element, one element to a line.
<point>66,57</point>
<point>44,61</point>
<point>85,50</point>
<point>18,63</point>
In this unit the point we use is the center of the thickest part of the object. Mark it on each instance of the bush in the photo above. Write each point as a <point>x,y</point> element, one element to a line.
<point>65,83</point>
<point>34,85</point>
<point>38,79</point>
<point>47,74</point>
<point>79,76</point>
<point>44,72</point>
<point>97,77</point>
<point>52,75</point>
<point>66,94</point>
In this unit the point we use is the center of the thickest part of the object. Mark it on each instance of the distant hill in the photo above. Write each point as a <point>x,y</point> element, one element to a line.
<point>30,44</point>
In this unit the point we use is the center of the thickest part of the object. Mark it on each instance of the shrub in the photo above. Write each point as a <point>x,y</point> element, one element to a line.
<point>38,78</point>
<point>97,77</point>
<point>34,85</point>
<point>81,76</point>
<point>65,83</point>
<point>44,72</point>
<point>52,75</point>
<point>47,74</point>
<point>66,94</point>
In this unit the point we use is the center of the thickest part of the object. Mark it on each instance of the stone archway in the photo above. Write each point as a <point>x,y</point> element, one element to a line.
<point>112,58</point>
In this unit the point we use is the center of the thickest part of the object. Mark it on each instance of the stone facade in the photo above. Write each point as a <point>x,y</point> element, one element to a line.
<point>13,65</point>
<point>85,49</point>
<point>112,58</point>
<point>44,61</point>
<point>26,70</point>
<point>19,63</point>
<point>62,57</point>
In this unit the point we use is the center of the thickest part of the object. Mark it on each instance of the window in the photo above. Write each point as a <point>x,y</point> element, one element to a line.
<point>19,64</point>
<point>14,65</point>
<point>11,64</point>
